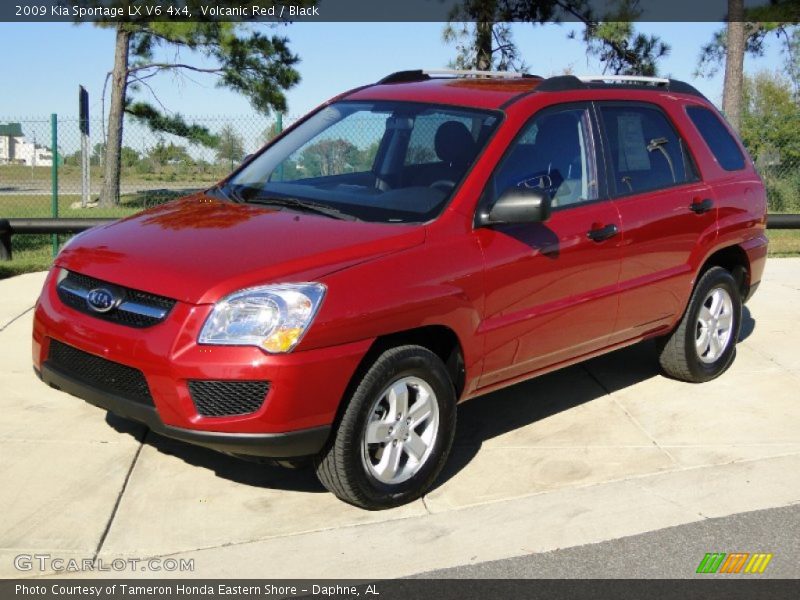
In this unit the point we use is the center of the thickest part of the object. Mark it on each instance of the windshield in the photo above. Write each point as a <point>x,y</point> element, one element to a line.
<point>375,161</point>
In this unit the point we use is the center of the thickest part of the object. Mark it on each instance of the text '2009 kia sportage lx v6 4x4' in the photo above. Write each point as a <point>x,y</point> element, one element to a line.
<point>405,247</point>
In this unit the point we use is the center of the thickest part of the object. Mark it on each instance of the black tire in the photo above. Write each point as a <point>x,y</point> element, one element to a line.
<point>676,351</point>
<point>340,467</point>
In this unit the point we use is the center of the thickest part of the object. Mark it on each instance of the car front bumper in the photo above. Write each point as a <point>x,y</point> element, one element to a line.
<point>293,444</point>
<point>294,420</point>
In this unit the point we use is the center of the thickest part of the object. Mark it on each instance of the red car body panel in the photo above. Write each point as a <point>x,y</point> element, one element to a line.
<point>551,292</point>
<point>457,92</point>
<point>205,237</point>
<point>521,300</point>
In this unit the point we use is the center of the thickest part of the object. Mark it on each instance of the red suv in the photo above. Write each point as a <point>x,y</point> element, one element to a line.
<point>405,247</point>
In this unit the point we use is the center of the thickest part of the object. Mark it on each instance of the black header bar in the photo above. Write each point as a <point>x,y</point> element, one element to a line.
<point>331,11</point>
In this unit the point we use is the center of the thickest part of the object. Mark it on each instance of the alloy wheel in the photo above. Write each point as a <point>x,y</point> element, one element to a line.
<point>401,430</point>
<point>714,327</point>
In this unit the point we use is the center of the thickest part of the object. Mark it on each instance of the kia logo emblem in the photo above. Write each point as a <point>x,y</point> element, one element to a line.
<point>101,300</point>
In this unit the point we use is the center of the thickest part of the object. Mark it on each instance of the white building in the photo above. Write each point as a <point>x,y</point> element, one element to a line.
<point>5,149</point>
<point>28,153</point>
<point>15,149</point>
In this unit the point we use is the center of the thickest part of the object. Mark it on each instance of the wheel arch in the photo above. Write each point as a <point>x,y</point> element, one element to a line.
<point>439,339</point>
<point>733,259</point>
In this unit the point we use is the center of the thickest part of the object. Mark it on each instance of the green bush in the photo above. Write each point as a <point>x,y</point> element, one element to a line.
<point>783,192</point>
<point>144,167</point>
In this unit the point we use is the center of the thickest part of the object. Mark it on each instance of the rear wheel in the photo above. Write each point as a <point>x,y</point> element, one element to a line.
<point>703,344</point>
<point>396,432</point>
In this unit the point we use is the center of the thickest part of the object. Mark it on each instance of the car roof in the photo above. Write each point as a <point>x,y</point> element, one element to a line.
<point>472,92</point>
<point>491,90</point>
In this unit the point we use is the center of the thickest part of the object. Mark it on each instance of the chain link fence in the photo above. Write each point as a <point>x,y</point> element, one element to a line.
<point>781,177</point>
<point>155,167</point>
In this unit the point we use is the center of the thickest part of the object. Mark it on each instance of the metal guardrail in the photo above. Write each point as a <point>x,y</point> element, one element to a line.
<point>783,221</point>
<point>40,226</point>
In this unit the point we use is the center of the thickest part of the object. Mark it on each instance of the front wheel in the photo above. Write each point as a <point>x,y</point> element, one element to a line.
<point>396,431</point>
<point>703,344</point>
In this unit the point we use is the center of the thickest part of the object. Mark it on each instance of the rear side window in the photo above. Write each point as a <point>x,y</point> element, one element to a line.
<point>645,150</point>
<point>717,137</point>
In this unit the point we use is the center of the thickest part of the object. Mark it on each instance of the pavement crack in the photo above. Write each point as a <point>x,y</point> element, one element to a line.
<point>119,498</point>
<point>15,319</point>
<point>425,504</point>
<point>768,357</point>
<point>628,414</point>
<point>644,431</point>
<point>669,500</point>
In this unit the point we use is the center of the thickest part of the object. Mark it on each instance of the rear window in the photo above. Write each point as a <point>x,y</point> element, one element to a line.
<point>717,137</point>
<point>646,151</point>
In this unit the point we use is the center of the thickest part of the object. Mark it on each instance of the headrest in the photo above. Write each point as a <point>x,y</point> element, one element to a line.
<point>454,143</point>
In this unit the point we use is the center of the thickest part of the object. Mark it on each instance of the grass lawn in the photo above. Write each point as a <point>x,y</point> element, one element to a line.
<point>39,205</point>
<point>25,262</point>
<point>69,176</point>
<point>784,242</point>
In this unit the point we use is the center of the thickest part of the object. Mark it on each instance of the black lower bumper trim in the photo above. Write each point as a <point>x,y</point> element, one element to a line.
<point>751,291</point>
<point>294,444</point>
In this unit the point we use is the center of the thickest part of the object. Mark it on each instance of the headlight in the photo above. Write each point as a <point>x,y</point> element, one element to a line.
<point>272,317</point>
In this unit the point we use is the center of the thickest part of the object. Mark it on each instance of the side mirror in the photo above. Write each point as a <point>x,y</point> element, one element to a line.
<point>518,205</point>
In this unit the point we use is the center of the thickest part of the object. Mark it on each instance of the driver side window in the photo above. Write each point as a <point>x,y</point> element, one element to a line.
<point>553,152</point>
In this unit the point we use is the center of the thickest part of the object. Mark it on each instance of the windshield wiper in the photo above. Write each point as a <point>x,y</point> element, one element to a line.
<point>227,192</point>
<point>304,205</point>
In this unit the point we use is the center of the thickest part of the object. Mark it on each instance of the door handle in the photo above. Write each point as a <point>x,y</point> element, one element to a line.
<point>701,206</point>
<point>602,233</point>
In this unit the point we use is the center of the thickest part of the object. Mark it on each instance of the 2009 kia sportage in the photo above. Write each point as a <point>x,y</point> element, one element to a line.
<point>405,247</point>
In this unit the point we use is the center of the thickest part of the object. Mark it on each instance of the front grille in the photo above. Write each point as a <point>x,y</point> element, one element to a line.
<point>227,398</point>
<point>99,373</point>
<point>133,308</point>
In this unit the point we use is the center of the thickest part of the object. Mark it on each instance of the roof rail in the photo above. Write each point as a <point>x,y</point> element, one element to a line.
<point>562,83</point>
<point>425,74</point>
<point>623,79</point>
<point>475,73</point>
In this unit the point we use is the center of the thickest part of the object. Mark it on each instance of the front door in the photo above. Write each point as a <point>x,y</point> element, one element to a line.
<point>551,288</point>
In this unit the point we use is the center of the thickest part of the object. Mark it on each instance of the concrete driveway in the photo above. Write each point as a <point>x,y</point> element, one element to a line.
<point>595,452</point>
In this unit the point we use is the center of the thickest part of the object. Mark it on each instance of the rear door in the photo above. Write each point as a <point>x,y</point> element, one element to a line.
<point>550,287</point>
<point>667,214</point>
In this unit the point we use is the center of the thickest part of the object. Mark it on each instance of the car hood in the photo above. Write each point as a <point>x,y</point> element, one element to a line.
<point>200,248</point>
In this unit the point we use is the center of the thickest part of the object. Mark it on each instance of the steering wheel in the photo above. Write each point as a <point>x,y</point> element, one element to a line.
<point>548,181</point>
<point>444,185</point>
